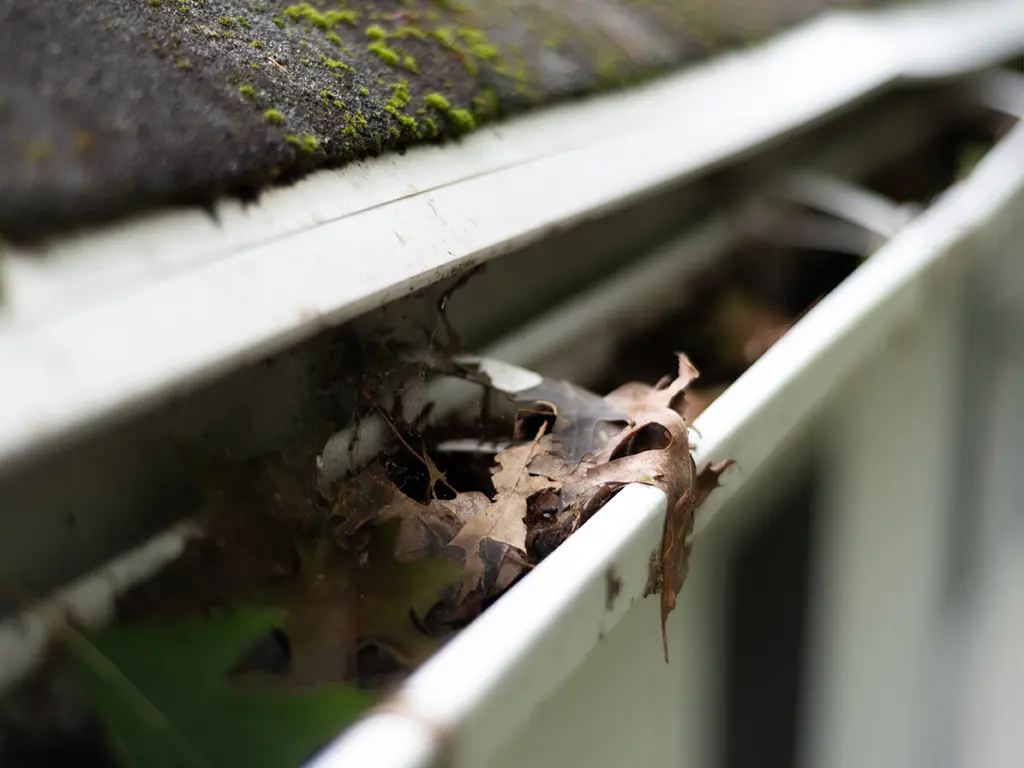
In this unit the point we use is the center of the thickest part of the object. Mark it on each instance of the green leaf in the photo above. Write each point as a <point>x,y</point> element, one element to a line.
<point>163,695</point>
<point>389,590</point>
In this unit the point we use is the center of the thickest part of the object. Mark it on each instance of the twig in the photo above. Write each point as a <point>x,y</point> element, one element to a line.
<point>435,475</point>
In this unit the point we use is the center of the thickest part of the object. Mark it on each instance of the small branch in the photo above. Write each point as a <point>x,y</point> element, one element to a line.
<point>435,474</point>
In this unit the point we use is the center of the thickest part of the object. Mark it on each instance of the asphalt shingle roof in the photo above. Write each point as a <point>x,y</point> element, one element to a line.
<point>111,106</point>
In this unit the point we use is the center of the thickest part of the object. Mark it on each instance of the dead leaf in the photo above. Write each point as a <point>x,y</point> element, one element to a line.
<point>655,450</point>
<point>583,419</point>
<point>435,475</point>
<point>361,499</point>
<point>675,549</point>
<point>501,524</point>
<point>698,400</point>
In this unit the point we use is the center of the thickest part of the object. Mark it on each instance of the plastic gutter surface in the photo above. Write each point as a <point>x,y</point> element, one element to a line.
<point>464,704</point>
<point>114,320</point>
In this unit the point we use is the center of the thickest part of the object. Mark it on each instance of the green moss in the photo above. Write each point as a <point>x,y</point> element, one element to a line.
<point>183,64</point>
<point>278,21</point>
<point>472,36</point>
<point>409,31</point>
<point>243,22</point>
<point>485,104</point>
<point>376,32</point>
<point>334,63</point>
<point>445,36</point>
<point>409,63</point>
<point>431,127</point>
<point>462,119</point>
<point>305,143</point>
<point>385,54</point>
<point>256,44</point>
<point>274,117</point>
<point>404,120</point>
<point>255,65</point>
<point>484,51</point>
<point>155,3</point>
<point>38,150</point>
<point>226,21</point>
<point>364,91</point>
<point>437,101</point>
<point>400,91</point>
<point>335,38</point>
<point>248,91</point>
<point>325,21</point>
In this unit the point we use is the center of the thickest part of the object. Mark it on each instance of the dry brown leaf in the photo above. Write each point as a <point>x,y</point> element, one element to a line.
<point>698,400</point>
<point>675,550</point>
<point>502,522</point>
<point>655,451</point>
<point>582,419</point>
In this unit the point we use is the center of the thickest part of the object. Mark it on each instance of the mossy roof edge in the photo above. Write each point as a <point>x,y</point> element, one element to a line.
<point>113,106</point>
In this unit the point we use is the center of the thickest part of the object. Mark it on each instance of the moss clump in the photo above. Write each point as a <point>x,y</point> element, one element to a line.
<point>409,63</point>
<point>325,21</point>
<point>335,38</point>
<point>404,120</point>
<point>472,36</point>
<point>400,96</point>
<point>155,3</point>
<point>462,119</point>
<point>437,101</point>
<point>305,143</point>
<point>183,64</point>
<point>38,151</point>
<point>248,91</point>
<point>278,21</point>
<point>364,91</point>
<point>484,51</point>
<point>334,63</point>
<point>445,36</point>
<point>431,127</point>
<point>407,31</point>
<point>486,104</point>
<point>376,32</point>
<point>274,117</point>
<point>226,21</point>
<point>385,54</point>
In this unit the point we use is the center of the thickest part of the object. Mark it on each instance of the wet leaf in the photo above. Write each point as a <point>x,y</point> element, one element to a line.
<point>164,697</point>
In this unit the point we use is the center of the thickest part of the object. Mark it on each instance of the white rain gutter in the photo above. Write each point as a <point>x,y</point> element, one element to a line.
<point>101,324</point>
<point>473,696</point>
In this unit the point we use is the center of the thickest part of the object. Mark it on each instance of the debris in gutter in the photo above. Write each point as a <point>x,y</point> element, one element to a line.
<point>306,600</point>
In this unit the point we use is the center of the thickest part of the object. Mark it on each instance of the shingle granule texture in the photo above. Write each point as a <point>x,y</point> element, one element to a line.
<point>112,106</point>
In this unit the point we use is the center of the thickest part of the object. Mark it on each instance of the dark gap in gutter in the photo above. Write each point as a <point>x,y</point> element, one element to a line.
<point>767,606</point>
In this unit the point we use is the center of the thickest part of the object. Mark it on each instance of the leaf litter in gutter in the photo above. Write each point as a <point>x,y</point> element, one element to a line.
<point>366,577</point>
